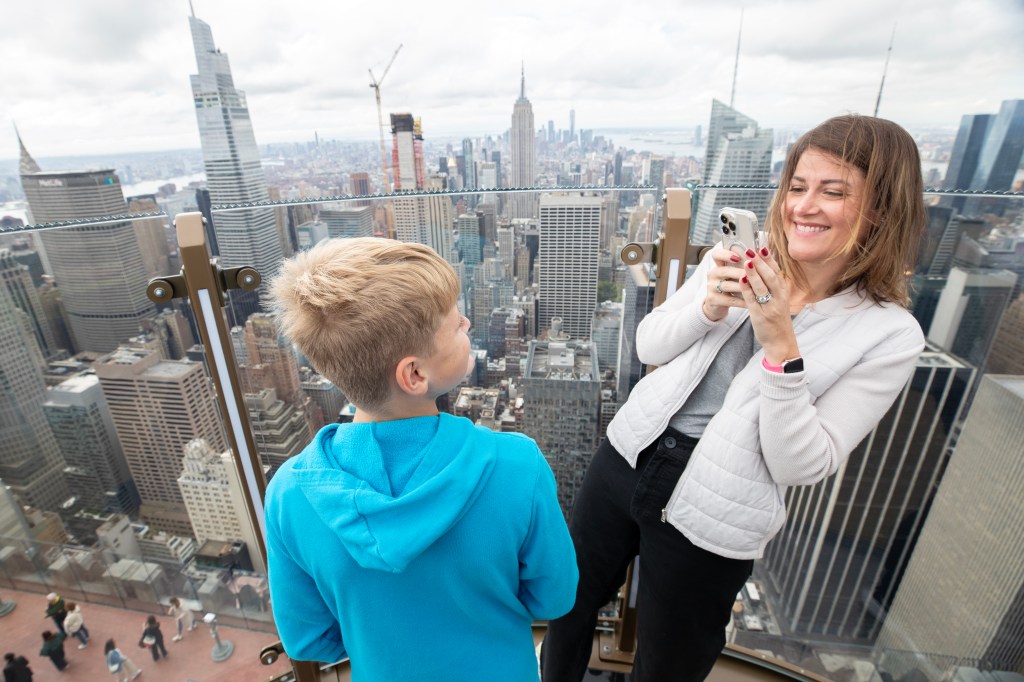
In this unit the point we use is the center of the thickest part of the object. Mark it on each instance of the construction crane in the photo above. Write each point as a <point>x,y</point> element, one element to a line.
<point>375,84</point>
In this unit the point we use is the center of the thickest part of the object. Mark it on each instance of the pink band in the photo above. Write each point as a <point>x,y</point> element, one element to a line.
<point>771,368</point>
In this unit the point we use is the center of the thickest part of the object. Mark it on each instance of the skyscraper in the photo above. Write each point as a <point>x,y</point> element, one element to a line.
<point>99,268</point>
<point>348,221</point>
<point>31,464</point>
<point>158,407</point>
<point>570,243</point>
<point>409,173</point>
<point>1001,154</point>
<point>523,155</point>
<point>963,160</point>
<point>738,152</point>
<point>96,468</point>
<point>836,565</point>
<point>562,409</point>
<point>212,491</point>
<point>436,212</point>
<point>360,186</point>
<point>16,279</point>
<point>969,310</point>
<point>234,173</point>
<point>940,614</point>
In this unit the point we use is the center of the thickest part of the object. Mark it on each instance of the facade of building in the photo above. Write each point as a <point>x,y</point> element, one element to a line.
<point>31,461</point>
<point>562,409</point>
<point>836,565</point>
<point>158,407</point>
<point>738,152</point>
<point>570,245</point>
<point>436,213</point>
<point>348,221</point>
<point>97,471</point>
<point>523,155</point>
<point>234,173</point>
<point>606,330</point>
<point>939,613</point>
<point>17,280</point>
<point>280,430</point>
<point>99,268</point>
<point>212,491</point>
<point>968,312</point>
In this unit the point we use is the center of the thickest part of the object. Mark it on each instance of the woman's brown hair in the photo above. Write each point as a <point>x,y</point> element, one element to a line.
<point>886,238</point>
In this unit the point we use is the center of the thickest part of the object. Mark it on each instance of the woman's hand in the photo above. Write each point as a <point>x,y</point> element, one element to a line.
<point>724,284</point>
<point>765,293</point>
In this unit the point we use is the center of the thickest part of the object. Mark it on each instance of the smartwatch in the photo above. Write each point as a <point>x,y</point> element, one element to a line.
<point>790,366</point>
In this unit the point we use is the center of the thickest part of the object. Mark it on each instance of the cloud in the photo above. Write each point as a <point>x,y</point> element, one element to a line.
<point>103,77</point>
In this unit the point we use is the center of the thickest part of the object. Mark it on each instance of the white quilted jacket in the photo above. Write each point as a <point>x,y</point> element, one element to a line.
<point>774,430</point>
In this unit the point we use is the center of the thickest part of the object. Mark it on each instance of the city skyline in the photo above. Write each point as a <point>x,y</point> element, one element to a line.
<point>303,82</point>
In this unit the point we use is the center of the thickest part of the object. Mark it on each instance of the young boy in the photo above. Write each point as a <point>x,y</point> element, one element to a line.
<point>417,544</point>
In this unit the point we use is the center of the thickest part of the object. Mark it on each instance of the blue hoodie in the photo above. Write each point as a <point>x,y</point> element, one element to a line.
<point>421,548</point>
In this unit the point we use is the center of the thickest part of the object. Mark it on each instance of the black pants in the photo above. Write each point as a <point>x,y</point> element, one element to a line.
<point>685,593</point>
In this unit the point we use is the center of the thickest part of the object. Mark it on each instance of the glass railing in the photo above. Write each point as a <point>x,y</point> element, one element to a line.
<point>870,573</point>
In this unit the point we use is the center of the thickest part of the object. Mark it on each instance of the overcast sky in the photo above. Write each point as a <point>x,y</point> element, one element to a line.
<point>107,76</point>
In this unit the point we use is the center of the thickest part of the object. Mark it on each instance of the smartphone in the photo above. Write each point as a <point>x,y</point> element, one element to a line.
<point>740,229</point>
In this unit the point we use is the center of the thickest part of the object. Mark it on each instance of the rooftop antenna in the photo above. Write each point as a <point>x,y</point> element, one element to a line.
<point>736,66</point>
<point>885,69</point>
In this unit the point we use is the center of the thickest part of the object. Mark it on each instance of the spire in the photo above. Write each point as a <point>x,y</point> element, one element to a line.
<point>28,164</point>
<point>522,81</point>
<point>736,65</point>
<point>885,69</point>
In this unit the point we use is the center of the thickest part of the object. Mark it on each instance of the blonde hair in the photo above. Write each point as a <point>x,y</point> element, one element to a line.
<point>886,238</point>
<point>355,307</point>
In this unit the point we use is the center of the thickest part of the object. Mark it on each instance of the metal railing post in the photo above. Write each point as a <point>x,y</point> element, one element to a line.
<point>670,253</point>
<point>205,285</point>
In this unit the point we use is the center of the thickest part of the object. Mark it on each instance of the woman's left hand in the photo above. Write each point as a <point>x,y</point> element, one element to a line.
<point>766,293</point>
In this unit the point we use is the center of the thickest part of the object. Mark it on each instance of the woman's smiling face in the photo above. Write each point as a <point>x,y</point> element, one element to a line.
<point>822,209</point>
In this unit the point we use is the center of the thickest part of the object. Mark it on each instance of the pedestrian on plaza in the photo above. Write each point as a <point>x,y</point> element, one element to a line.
<point>56,610</point>
<point>183,616</point>
<point>153,638</point>
<point>74,625</point>
<point>16,669</point>
<point>119,665</point>
<point>53,648</point>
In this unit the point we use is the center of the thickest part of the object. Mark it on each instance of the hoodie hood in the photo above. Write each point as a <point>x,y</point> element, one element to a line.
<point>387,516</point>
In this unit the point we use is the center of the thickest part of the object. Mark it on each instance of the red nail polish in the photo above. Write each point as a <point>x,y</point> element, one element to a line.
<point>744,279</point>
<point>764,251</point>
<point>750,253</point>
<point>750,264</point>
<point>734,258</point>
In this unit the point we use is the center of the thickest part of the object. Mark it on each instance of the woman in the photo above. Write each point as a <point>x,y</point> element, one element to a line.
<point>153,638</point>
<point>53,648</point>
<point>74,624</point>
<point>183,616</point>
<point>774,366</point>
<point>118,664</point>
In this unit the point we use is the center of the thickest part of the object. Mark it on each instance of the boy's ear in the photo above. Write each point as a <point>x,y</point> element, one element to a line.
<point>410,376</point>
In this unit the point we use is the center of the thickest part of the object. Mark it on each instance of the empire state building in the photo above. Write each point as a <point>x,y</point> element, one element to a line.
<point>524,156</point>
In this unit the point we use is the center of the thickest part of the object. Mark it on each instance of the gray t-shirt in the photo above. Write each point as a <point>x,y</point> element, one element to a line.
<point>709,396</point>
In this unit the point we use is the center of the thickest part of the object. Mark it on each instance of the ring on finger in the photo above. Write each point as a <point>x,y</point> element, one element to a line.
<point>718,287</point>
<point>763,298</point>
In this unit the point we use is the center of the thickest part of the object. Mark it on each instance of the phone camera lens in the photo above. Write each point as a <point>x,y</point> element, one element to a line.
<point>732,226</point>
<point>725,229</point>
<point>724,218</point>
